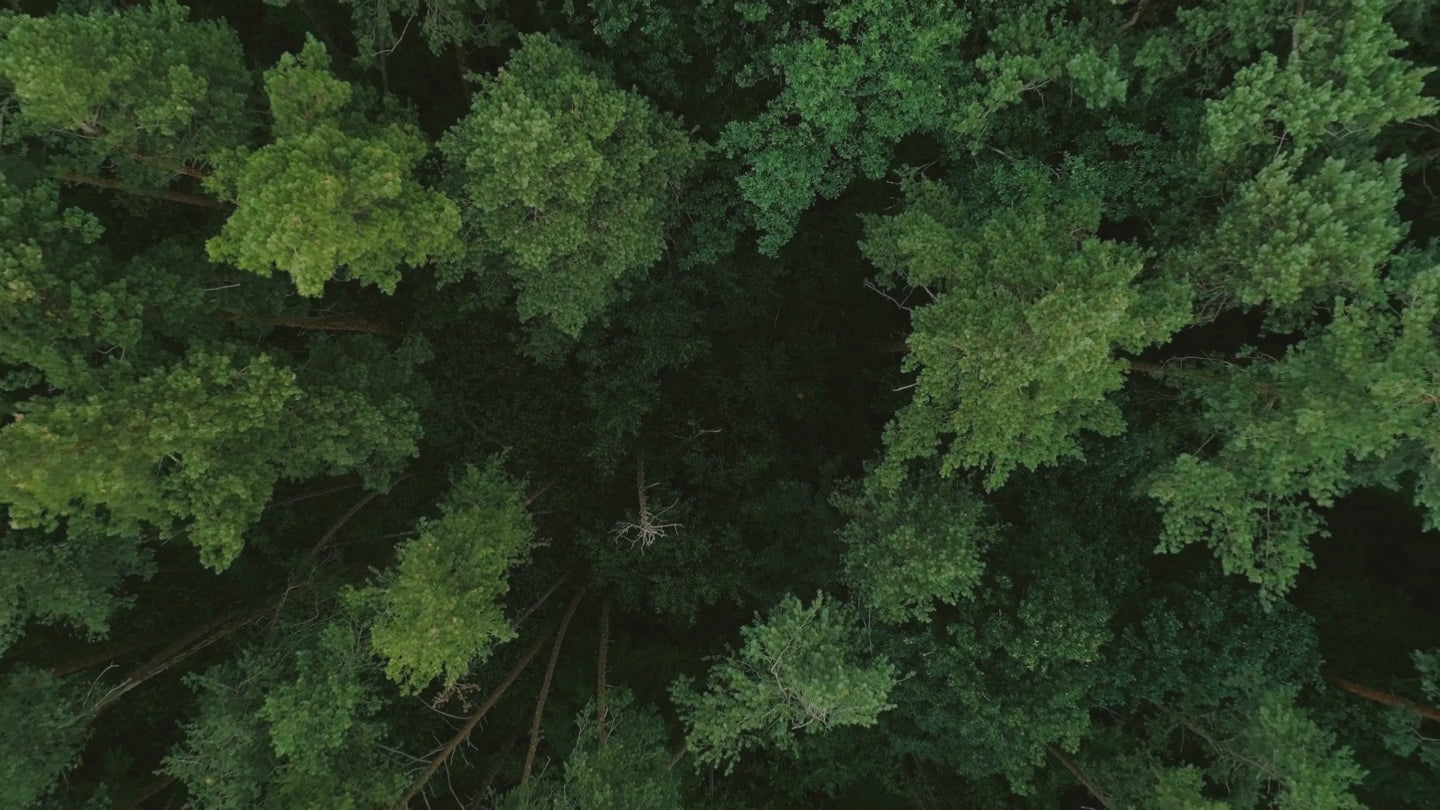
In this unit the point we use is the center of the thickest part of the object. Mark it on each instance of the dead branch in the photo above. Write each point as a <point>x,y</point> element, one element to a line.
<point>155,193</point>
<point>650,526</point>
<point>182,648</point>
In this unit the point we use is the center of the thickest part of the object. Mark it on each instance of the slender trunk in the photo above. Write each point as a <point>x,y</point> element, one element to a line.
<point>1079,775</point>
<point>316,494</point>
<point>150,790</point>
<point>494,770</point>
<point>205,635</point>
<point>464,732</point>
<point>601,730</point>
<point>545,687</point>
<point>108,654</point>
<point>1428,712</point>
<point>157,193</point>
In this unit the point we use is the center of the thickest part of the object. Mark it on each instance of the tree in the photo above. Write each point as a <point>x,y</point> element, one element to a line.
<point>333,194</point>
<point>798,670</point>
<point>143,88</point>
<point>565,179</point>
<point>1017,349</point>
<point>449,580</point>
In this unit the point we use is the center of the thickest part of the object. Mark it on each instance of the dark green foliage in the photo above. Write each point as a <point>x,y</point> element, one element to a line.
<point>565,180</point>
<point>448,403</point>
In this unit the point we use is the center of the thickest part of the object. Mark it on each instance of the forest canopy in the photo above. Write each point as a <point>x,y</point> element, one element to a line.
<point>753,404</point>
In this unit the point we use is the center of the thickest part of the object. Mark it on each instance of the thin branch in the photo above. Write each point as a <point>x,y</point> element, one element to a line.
<point>1078,774</point>
<point>464,732</point>
<point>545,687</point>
<point>293,580</point>
<point>337,526</point>
<point>600,728</point>
<point>316,494</point>
<point>494,770</point>
<point>1135,18</point>
<point>102,657</point>
<point>544,489</point>
<point>182,648</point>
<point>151,789</point>
<point>534,606</point>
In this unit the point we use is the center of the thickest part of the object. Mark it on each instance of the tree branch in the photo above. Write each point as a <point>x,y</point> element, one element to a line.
<point>545,687</point>
<point>182,648</point>
<point>157,193</point>
<point>464,732</point>
<point>1079,775</point>
<point>318,324</point>
<point>108,654</point>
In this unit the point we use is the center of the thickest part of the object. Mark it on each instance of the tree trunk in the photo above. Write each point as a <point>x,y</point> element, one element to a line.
<point>545,687</point>
<point>1428,712</point>
<point>1079,775</point>
<point>601,732</point>
<point>464,732</point>
<point>157,193</point>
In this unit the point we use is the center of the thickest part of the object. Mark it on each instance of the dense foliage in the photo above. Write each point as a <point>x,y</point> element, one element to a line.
<point>725,404</point>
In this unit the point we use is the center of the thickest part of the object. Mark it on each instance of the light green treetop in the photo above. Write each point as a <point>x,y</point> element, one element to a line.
<point>439,607</point>
<point>197,446</point>
<point>1016,350</point>
<point>332,195</point>
<point>140,82</point>
<point>800,669</point>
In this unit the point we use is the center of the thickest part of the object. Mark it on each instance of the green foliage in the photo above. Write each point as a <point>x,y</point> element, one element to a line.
<point>1301,756</point>
<point>565,180</point>
<point>144,81</point>
<point>1339,78</point>
<point>1015,352</point>
<point>45,737</point>
<point>290,728</point>
<point>1347,407</point>
<point>197,447</point>
<point>1043,335</point>
<point>800,669</point>
<point>449,580</point>
<point>329,196</point>
<point>71,581</point>
<point>442,23</point>
<point>1290,242</point>
<point>911,548</point>
<point>630,769</point>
